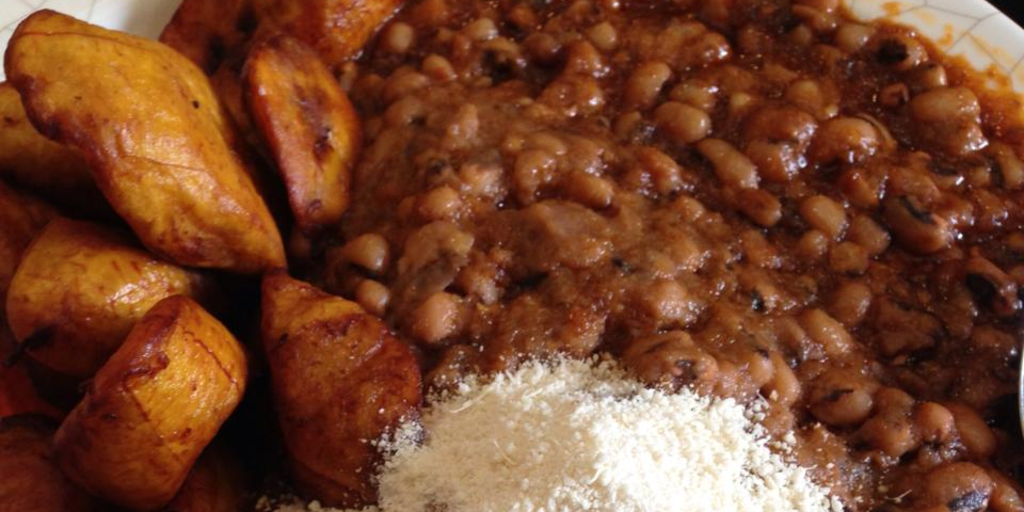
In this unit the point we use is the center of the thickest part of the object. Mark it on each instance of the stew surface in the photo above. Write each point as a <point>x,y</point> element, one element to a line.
<point>749,197</point>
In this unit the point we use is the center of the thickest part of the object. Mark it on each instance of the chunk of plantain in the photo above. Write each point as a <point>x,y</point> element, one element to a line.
<point>336,29</point>
<point>308,123</point>
<point>217,483</point>
<point>339,378</point>
<point>208,32</point>
<point>22,217</point>
<point>80,288</point>
<point>153,408</point>
<point>31,482</point>
<point>157,140</point>
<point>36,163</point>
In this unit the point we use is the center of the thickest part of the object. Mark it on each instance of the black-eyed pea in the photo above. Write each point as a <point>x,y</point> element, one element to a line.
<point>533,169</point>
<point>1005,497</point>
<point>845,140</point>
<point>827,332</point>
<point>631,126</point>
<point>404,112</point>
<point>681,123</point>
<point>891,430</point>
<point>813,245</point>
<point>603,36</point>
<point>398,38</point>
<point>1008,165</point>
<point>959,486</point>
<point>669,303</point>
<point>644,86</point>
<point>591,191</point>
<point>760,369</point>
<point>671,360</point>
<point>841,398</point>
<point>481,29</point>
<point>861,187</point>
<point>438,68</point>
<point>992,287</point>
<point>441,203</point>
<point>777,162</point>
<point>817,19</point>
<point>731,166</point>
<point>852,37</point>
<point>930,76</point>
<point>849,258</point>
<point>784,387</point>
<point>760,206</point>
<point>850,303</point>
<point>438,318</point>
<point>934,423</point>
<point>894,95</point>
<point>974,433</point>
<point>899,52</point>
<point>915,227</point>
<point>866,233</point>
<point>696,93</point>
<point>825,215</point>
<point>369,251</point>
<point>664,173</point>
<point>373,296</point>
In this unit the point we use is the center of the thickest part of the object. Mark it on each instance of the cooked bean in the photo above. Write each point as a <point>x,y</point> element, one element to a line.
<point>827,332</point>
<point>868,234</point>
<point>671,360</point>
<point>398,37</point>
<point>604,36</point>
<point>850,303</point>
<point>644,85</point>
<point>438,68</point>
<point>440,203</point>
<point>890,429</point>
<point>840,398</point>
<point>851,37</point>
<point>812,245</point>
<point>784,387</point>
<point>682,123</point>
<point>1007,165</point>
<point>992,287</point>
<point>915,228</point>
<point>849,258</point>
<point>369,251</point>
<point>373,296</point>
<point>732,167</point>
<point>974,433</point>
<point>588,190</point>
<point>862,187</point>
<point>696,93</point>
<point>669,303</point>
<point>949,118</point>
<point>777,162</point>
<point>899,52</point>
<point>760,206</point>
<point>894,95</point>
<point>437,318</point>
<point>845,139</point>
<point>481,29</point>
<point>930,76</point>
<point>533,168</point>
<point>934,422</point>
<point>959,486</point>
<point>825,215</point>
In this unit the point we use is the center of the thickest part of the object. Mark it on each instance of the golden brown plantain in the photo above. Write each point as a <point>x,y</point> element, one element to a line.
<point>29,479</point>
<point>153,408</point>
<point>39,164</point>
<point>336,29</point>
<point>157,140</point>
<point>217,483</point>
<point>22,217</point>
<point>80,288</point>
<point>308,123</point>
<point>208,32</point>
<point>340,378</point>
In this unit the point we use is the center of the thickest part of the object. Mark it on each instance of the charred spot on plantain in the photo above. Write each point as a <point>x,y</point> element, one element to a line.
<point>322,147</point>
<point>974,501</point>
<point>195,104</point>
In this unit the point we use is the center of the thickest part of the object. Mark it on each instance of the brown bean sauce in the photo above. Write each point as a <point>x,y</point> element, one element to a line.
<point>749,197</point>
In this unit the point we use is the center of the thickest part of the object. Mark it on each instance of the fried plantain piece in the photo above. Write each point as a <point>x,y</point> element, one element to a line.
<point>339,378</point>
<point>36,163</point>
<point>153,408</point>
<point>31,482</point>
<point>217,483</point>
<point>22,217</point>
<point>80,288</point>
<point>157,140</point>
<point>308,123</point>
<point>336,29</point>
<point>208,32</point>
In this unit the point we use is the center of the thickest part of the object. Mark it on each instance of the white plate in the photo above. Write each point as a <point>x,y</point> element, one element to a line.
<point>971,28</point>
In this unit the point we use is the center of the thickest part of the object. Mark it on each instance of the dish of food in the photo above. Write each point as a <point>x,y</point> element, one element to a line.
<point>770,202</point>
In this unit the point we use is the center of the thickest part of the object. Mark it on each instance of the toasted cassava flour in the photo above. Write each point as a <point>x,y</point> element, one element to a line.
<point>574,436</point>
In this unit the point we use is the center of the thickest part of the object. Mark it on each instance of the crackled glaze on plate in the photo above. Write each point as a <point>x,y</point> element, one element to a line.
<point>973,29</point>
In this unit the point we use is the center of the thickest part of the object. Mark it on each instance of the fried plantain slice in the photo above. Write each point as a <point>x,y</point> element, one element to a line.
<point>22,218</point>
<point>153,408</point>
<point>208,32</point>
<point>155,136</point>
<point>339,378</point>
<point>217,483</point>
<point>80,288</point>
<point>336,29</point>
<point>31,481</point>
<point>36,163</point>
<point>308,123</point>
